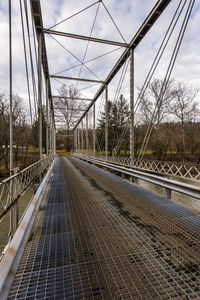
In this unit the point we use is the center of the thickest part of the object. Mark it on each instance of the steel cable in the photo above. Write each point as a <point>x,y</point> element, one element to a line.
<point>82,63</point>
<point>26,64</point>
<point>88,61</point>
<point>82,10</point>
<point>114,23</point>
<point>74,56</point>
<point>159,55</point>
<point>169,70</point>
<point>31,59</point>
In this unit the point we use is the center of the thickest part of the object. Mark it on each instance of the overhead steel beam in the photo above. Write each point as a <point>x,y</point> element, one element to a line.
<point>148,23</point>
<point>75,78</point>
<point>94,130</point>
<point>61,127</point>
<point>131,106</point>
<point>64,135</point>
<point>86,38</point>
<point>60,121</point>
<point>71,109</point>
<point>59,116</point>
<point>40,94</point>
<point>37,17</point>
<point>70,98</point>
<point>106,125</point>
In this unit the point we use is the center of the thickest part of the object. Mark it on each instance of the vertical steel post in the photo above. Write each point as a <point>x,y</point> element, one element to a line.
<point>131,105</point>
<point>50,131</point>
<point>40,93</point>
<point>106,124</point>
<point>168,194</point>
<point>82,136</point>
<point>78,147</point>
<point>54,152</point>
<point>14,209</point>
<point>87,143</point>
<point>74,142</point>
<point>10,82</point>
<point>79,142</point>
<point>54,139</point>
<point>47,117</point>
<point>94,130</point>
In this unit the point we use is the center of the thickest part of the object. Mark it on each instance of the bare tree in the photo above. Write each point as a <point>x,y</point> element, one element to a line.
<point>154,105</point>
<point>68,107</point>
<point>4,129</point>
<point>184,106</point>
<point>19,127</point>
<point>154,108</point>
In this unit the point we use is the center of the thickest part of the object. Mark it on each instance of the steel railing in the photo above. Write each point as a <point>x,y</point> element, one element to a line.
<point>12,188</point>
<point>184,170</point>
<point>168,184</point>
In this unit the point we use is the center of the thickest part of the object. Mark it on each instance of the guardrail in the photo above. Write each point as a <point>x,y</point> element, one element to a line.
<point>10,259</point>
<point>12,188</point>
<point>184,170</point>
<point>168,184</point>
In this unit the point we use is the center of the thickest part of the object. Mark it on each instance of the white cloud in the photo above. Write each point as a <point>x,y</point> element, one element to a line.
<point>128,15</point>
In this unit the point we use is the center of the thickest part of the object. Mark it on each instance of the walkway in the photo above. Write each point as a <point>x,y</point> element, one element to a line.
<point>98,237</point>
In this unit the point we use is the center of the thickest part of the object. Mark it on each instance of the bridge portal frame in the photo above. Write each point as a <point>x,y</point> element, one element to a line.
<point>157,10</point>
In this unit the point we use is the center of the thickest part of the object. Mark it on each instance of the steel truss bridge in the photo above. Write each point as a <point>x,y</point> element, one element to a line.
<point>89,231</point>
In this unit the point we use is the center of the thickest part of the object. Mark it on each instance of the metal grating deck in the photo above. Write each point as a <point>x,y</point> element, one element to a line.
<point>98,237</point>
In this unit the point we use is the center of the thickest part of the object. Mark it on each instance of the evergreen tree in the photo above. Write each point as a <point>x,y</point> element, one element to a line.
<point>117,121</point>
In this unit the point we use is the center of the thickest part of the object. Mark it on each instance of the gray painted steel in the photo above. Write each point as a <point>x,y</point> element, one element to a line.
<point>148,23</point>
<point>86,38</point>
<point>98,237</point>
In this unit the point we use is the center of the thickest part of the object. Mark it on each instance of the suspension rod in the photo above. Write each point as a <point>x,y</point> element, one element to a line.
<point>148,23</point>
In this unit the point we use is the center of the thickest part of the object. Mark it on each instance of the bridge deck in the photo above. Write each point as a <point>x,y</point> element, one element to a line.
<point>98,237</point>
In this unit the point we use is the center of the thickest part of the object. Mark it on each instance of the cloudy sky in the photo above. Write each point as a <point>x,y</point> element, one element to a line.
<point>65,54</point>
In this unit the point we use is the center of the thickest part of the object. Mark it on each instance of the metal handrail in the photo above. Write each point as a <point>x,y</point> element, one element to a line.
<point>177,169</point>
<point>168,184</point>
<point>14,186</point>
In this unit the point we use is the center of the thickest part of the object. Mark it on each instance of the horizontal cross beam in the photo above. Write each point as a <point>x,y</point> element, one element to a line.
<point>71,109</point>
<point>86,38</point>
<point>61,116</point>
<point>37,17</point>
<point>64,135</point>
<point>71,98</point>
<point>77,79</point>
<point>143,30</point>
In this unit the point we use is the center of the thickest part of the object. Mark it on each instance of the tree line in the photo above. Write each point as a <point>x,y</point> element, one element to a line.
<point>172,115</point>
<point>25,136</point>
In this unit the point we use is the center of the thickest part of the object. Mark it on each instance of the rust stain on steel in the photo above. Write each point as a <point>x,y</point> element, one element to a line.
<point>22,226</point>
<point>34,202</point>
<point>12,251</point>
